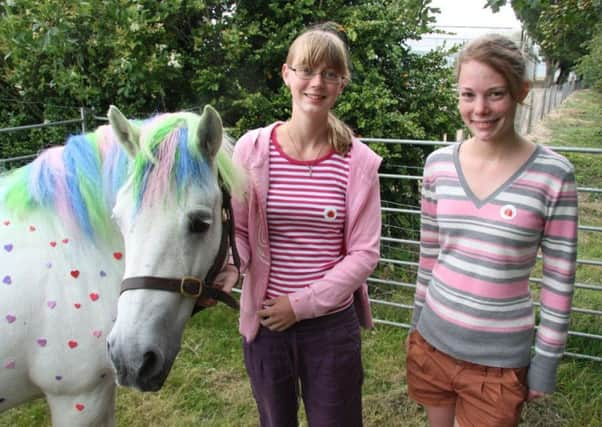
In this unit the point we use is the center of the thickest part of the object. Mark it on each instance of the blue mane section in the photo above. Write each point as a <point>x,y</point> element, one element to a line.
<point>41,186</point>
<point>115,172</point>
<point>83,179</point>
<point>189,169</point>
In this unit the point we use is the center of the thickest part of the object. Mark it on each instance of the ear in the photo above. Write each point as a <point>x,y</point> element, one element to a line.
<point>285,73</point>
<point>210,132</point>
<point>127,134</point>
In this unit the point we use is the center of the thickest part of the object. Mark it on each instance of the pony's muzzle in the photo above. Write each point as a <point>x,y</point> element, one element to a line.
<point>144,370</point>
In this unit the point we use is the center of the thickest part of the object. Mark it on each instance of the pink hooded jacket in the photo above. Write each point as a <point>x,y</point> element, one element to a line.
<point>361,240</point>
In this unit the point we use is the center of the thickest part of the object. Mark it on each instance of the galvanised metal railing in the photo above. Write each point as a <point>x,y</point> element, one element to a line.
<point>376,282</point>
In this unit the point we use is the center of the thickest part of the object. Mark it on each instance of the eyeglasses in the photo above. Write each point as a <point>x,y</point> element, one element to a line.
<point>306,73</point>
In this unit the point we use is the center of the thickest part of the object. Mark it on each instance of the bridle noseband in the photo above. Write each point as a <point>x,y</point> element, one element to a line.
<point>194,287</point>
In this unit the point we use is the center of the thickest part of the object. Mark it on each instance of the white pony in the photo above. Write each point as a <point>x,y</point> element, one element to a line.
<point>62,257</point>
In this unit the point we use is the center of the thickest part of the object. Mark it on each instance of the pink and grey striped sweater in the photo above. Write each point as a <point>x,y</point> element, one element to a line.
<point>472,298</point>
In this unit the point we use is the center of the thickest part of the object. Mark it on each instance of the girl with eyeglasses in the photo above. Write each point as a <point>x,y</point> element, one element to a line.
<point>308,233</point>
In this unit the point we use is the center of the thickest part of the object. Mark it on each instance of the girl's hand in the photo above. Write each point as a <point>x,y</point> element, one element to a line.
<point>277,314</point>
<point>225,280</point>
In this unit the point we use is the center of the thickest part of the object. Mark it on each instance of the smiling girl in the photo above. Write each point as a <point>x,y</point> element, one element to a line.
<point>308,234</point>
<point>489,205</point>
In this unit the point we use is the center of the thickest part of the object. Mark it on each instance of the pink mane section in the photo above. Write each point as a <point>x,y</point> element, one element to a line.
<point>52,158</point>
<point>159,178</point>
<point>105,140</point>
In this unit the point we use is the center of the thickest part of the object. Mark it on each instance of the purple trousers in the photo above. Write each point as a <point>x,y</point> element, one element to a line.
<point>319,359</point>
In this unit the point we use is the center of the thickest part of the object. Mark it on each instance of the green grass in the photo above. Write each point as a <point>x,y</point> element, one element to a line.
<point>208,384</point>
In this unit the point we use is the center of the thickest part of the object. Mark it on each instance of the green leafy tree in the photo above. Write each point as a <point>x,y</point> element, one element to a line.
<point>147,56</point>
<point>590,65</point>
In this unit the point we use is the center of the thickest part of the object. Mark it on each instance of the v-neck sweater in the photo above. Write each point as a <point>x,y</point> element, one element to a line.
<point>473,299</point>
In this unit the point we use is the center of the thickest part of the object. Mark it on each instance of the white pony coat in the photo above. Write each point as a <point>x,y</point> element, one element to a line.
<point>58,303</point>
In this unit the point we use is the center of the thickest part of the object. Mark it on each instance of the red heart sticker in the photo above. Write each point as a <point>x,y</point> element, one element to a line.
<point>72,343</point>
<point>94,296</point>
<point>74,274</point>
<point>79,406</point>
<point>53,243</point>
<point>117,255</point>
<point>65,241</point>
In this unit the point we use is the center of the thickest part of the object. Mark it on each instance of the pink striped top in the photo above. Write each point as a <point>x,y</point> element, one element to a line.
<point>306,216</point>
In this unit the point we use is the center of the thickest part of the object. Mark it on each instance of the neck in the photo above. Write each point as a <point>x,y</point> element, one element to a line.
<point>307,134</point>
<point>500,149</point>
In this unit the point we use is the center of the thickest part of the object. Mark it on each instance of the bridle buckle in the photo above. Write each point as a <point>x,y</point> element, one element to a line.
<point>191,287</point>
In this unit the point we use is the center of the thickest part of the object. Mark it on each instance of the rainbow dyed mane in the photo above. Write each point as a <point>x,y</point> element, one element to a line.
<point>79,181</point>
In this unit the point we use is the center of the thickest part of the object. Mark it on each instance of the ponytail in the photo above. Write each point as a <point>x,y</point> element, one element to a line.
<point>339,135</point>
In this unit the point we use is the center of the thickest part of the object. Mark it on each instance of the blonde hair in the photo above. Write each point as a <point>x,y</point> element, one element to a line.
<point>323,44</point>
<point>501,54</point>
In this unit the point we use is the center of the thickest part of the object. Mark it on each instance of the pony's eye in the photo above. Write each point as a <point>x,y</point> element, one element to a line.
<point>198,223</point>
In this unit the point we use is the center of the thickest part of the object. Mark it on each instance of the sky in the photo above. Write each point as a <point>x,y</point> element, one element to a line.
<point>472,13</point>
<point>468,19</point>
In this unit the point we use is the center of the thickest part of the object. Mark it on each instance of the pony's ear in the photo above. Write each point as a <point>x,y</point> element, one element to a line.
<point>127,134</point>
<point>210,132</point>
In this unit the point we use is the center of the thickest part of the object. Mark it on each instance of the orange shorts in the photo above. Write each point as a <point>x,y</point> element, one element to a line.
<point>483,396</point>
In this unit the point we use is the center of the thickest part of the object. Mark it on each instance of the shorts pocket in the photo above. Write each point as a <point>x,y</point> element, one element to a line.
<point>417,351</point>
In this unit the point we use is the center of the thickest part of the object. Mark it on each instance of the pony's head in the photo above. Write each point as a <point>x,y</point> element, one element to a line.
<point>169,211</point>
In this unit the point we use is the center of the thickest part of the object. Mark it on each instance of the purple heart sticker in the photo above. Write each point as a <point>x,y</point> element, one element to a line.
<point>8,247</point>
<point>102,273</point>
<point>41,342</point>
<point>51,304</point>
<point>10,318</point>
<point>58,377</point>
<point>7,280</point>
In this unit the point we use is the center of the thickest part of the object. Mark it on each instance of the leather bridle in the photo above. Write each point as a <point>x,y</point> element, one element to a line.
<point>194,287</point>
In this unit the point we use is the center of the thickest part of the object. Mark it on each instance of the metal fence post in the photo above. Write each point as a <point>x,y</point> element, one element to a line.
<point>82,113</point>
